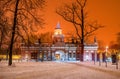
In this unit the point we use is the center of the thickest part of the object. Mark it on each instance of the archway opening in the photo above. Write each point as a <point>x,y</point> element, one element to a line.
<point>59,55</point>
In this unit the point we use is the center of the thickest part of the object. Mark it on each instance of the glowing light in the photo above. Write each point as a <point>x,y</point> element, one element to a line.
<point>87,57</point>
<point>106,48</point>
<point>87,51</point>
<point>14,56</point>
<point>91,51</point>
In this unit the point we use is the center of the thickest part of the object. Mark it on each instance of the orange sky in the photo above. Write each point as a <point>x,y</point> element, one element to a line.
<point>106,12</point>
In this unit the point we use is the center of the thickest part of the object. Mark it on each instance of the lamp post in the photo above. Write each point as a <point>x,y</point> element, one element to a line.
<point>99,58</point>
<point>51,52</point>
<point>116,60</point>
<point>106,50</point>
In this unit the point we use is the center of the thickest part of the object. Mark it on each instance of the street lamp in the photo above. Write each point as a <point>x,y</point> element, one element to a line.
<point>106,50</point>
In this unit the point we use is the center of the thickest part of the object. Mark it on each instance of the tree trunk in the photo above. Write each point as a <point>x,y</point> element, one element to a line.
<point>1,45</point>
<point>82,39</point>
<point>1,42</point>
<point>7,54</point>
<point>13,33</point>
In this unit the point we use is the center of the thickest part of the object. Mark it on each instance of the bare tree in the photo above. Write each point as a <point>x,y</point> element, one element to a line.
<point>23,13</point>
<point>4,30</point>
<point>76,14</point>
<point>115,45</point>
<point>118,39</point>
<point>46,37</point>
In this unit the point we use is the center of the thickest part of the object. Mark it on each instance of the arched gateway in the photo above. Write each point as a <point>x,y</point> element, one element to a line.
<point>60,55</point>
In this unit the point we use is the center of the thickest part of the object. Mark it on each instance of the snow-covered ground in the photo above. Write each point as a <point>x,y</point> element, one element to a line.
<point>54,70</point>
<point>102,65</point>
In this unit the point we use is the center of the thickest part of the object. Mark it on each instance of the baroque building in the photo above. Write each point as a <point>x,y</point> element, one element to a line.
<point>58,50</point>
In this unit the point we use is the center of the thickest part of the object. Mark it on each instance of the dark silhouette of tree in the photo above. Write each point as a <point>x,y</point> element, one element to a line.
<point>46,37</point>
<point>115,45</point>
<point>76,14</point>
<point>24,13</point>
<point>4,30</point>
<point>101,45</point>
<point>118,39</point>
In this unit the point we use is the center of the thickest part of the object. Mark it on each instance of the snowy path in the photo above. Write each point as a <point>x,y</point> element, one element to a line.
<point>53,70</point>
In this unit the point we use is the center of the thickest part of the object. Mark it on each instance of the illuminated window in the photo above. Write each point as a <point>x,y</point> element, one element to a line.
<point>87,57</point>
<point>26,56</point>
<point>74,55</point>
<point>86,50</point>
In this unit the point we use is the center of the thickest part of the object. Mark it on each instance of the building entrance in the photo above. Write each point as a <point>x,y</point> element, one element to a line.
<point>59,55</point>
